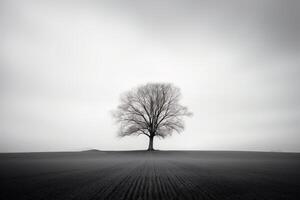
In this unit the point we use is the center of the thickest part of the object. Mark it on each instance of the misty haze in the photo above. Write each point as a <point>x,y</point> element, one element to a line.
<point>166,99</point>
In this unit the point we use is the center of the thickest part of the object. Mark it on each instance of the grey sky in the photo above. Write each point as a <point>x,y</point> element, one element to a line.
<point>63,65</point>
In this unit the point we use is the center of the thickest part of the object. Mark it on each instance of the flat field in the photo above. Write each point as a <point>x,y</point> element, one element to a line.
<point>158,175</point>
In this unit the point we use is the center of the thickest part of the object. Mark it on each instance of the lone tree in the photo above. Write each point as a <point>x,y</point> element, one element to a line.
<point>152,110</point>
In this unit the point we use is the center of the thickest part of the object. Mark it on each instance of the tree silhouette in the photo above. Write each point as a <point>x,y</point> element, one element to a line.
<point>152,110</point>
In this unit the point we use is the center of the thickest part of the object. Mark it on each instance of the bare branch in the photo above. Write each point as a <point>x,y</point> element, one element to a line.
<point>151,110</point>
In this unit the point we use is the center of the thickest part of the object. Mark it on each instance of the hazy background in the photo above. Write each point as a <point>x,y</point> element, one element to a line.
<point>63,65</point>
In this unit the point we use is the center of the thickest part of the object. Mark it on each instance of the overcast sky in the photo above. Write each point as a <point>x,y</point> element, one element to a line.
<point>64,64</point>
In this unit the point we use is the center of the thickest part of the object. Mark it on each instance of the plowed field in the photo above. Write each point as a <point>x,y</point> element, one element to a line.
<point>158,175</point>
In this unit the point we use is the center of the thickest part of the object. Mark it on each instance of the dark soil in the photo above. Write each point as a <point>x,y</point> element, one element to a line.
<point>158,175</point>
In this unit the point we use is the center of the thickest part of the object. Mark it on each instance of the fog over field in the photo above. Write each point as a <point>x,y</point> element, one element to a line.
<point>64,64</point>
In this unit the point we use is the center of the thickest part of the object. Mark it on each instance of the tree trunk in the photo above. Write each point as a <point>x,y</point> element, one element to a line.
<point>150,147</point>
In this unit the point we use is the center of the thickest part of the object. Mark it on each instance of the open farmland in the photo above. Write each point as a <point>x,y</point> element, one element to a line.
<point>150,175</point>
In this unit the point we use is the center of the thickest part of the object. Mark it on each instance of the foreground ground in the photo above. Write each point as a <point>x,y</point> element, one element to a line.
<point>145,175</point>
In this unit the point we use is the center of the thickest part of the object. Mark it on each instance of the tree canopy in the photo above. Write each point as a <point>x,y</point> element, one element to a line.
<point>152,110</point>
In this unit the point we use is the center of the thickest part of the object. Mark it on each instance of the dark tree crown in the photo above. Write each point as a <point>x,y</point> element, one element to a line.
<point>152,109</point>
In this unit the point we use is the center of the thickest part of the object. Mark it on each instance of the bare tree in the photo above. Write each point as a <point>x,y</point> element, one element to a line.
<point>151,110</point>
